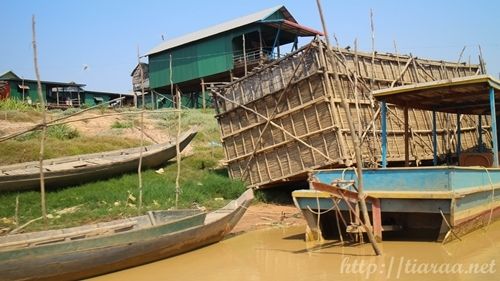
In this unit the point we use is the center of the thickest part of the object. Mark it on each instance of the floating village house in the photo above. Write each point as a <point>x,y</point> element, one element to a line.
<point>220,53</point>
<point>57,94</point>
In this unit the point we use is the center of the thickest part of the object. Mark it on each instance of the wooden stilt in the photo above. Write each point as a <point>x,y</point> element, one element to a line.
<point>203,98</point>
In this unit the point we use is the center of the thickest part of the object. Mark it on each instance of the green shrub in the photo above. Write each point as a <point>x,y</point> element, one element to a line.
<point>122,125</point>
<point>15,104</point>
<point>60,132</point>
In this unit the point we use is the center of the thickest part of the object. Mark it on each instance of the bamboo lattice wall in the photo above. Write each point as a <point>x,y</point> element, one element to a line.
<point>286,119</point>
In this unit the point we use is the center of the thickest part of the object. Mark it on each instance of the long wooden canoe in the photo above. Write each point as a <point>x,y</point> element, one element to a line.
<point>74,170</point>
<point>91,250</point>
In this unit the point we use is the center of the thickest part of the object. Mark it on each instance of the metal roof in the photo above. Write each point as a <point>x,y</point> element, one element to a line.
<point>14,77</point>
<point>468,95</point>
<point>216,29</point>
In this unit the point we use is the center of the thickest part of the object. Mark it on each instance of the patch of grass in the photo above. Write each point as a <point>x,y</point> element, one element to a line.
<point>204,121</point>
<point>118,197</point>
<point>16,105</point>
<point>60,132</point>
<point>20,116</point>
<point>122,125</point>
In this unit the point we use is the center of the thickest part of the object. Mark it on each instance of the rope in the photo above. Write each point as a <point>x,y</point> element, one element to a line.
<point>492,198</point>
<point>448,224</point>
<point>319,212</point>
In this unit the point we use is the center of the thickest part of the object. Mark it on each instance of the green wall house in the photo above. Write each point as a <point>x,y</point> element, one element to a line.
<point>222,52</point>
<point>93,98</point>
<point>55,93</point>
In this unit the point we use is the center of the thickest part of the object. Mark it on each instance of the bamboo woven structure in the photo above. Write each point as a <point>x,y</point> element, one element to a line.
<point>285,119</point>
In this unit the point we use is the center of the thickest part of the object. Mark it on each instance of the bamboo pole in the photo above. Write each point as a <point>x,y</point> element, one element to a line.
<point>372,27</point>
<point>244,54</point>
<point>139,167</point>
<point>177,147</point>
<point>357,151</point>
<point>355,86</point>
<point>178,150</point>
<point>44,122</point>
<point>481,61</point>
<point>16,216</point>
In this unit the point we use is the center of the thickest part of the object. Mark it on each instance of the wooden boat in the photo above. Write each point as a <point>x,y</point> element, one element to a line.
<point>74,170</point>
<point>81,252</point>
<point>438,203</point>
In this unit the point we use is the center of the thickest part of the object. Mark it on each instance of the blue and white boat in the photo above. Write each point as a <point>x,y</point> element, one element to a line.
<point>441,201</point>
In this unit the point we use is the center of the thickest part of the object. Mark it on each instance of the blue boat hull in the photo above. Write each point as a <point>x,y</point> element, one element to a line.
<point>448,200</point>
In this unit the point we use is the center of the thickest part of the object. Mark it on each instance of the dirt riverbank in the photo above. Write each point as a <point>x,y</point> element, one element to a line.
<point>261,215</point>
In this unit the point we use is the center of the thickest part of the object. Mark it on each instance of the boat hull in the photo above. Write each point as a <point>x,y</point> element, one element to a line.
<point>73,261</point>
<point>448,202</point>
<point>87,168</point>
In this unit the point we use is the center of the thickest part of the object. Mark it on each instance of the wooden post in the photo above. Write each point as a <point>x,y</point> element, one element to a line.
<point>357,152</point>
<point>480,133</point>
<point>44,124</point>
<point>152,99</point>
<point>261,54</point>
<point>171,82</point>
<point>494,129</point>
<point>434,139</point>
<point>178,150</point>
<point>78,94</point>
<point>245,55</point>
<point>139,168</point>
<point>23,87</point>
<point>203,94</point>
<point>383,116</point>
<point>459,137</point>
<point>407,137</point>
<point>57,95</point>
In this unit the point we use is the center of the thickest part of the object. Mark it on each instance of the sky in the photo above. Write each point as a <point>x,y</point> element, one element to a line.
<point>95,42</point>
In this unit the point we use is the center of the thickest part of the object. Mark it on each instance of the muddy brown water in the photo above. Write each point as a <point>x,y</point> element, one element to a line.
<point>281,254</point>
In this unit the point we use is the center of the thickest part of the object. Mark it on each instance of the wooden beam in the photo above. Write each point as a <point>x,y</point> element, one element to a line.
<point>407,137</point>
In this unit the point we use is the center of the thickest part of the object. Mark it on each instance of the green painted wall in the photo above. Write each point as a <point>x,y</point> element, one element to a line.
<point>90,100</point>
<point>276,16</point>
<point>196,60</point>
<point>32,93</point>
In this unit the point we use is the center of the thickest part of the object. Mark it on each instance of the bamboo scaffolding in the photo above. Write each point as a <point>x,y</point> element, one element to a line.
<point>313,114</point>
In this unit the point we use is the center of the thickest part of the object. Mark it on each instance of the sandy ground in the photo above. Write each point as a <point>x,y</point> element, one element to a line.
<point>260,215</point>
<point>101,126</point>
